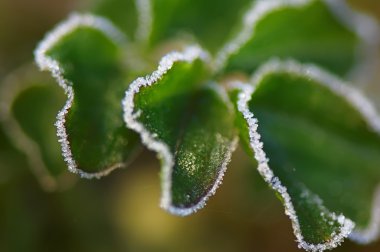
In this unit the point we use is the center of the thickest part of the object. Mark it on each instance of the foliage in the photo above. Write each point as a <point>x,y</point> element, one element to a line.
<point>279,81</point>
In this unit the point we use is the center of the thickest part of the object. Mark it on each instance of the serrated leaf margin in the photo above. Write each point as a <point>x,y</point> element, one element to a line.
<point>358,102</point>
<point>189,55</point>
<point>46,63</point>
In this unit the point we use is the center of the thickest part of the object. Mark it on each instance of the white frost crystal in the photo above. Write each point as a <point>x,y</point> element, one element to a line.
<point>366,28</point>
<point>145,19</point>
<point>130,117</point>
<point>45,62</point>
<point>357,101</point>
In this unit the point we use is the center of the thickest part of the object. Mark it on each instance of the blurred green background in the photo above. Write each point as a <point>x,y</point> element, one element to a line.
<point>121,212</point>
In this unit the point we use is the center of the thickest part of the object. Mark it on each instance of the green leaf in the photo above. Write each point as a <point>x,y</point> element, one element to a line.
<point>122,13</point>
<point>29,104</point>
<point>209,21</point>
<point>317,144</point>
<point>35,109</point>
<point>306,30</point>
<point>189,125</point>
<point>83,56</point>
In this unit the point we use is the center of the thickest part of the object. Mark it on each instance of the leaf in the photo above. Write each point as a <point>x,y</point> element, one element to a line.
<point>209,21</point>
<point>317,144</point>
<point>323,32</point>
<point>35,109</point>
<point>29,103</point>
<point>187,123</point>
<point>122,13</point>
<point>83,56</point>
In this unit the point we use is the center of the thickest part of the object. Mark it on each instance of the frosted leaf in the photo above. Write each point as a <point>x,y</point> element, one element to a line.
<point>93,144</point>
<point>123,14</point>
<point>188,124</point>
<point>132,17</point>
<point>145,21</point>
<point>316,141</point>
<point>197,20</point>
<point>336,37</point>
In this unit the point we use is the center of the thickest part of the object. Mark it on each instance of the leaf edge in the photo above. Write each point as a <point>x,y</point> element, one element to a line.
<point>366,51</point>
<point>357,100</point>
<point>189,55</point>
<point>46,63</point>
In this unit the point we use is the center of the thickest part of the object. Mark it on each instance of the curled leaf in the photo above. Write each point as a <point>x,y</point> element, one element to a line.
<point>323,32</point>
<point>122,13</point>
<point>317,144</point>
<point>188,124</point>
<point>83,55</point>
<point>28,106</point>
<point>208,21</point>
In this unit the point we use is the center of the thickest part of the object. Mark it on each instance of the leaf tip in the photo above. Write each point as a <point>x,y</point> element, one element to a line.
<point>166,200</point>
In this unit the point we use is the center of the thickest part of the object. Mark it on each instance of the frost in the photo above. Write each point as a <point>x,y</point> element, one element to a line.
<point>222,94</point>
<point>145,19</point>
<point>358,102</point>
<point>257,12</point>
<point>366,28</point>
<point>130,117</point>
<point>275,183</point>
<point>45,62</point>
<point>351,95</point>
<point>189,163</point>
